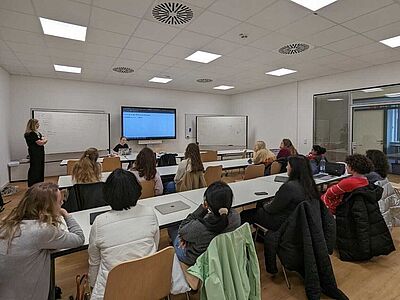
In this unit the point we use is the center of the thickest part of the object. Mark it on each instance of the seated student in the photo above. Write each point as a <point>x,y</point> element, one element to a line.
<point>136,225</point>
<point>380,165</point>
<point>316,153</point>
<point>300,187</point>
<point>122,145</point>
<point>145,169</point>
<point>358,166</point>
<point>262,155</point>
<point>87,169</point>
<point>213,217</point>
<point>27,237</point>
<point>286,149</point>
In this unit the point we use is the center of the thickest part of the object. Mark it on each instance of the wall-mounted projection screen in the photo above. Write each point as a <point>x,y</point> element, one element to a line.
<point>73,131</point>
<point>222,131</point>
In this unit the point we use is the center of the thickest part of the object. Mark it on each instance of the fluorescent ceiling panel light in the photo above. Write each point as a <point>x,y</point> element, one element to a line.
<point>372,90</point>
<point>223,87</point>
<point>64,30</point>
<point>313,5</point>
<point>60,68</point>
<point>335,99</point>
<point>281,72</point>
<point>392,42</point>
<point>203,57</point>
<point>393,95</point>
<point>160,80</point>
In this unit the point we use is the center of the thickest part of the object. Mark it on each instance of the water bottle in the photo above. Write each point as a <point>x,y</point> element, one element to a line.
<point>322,165</point>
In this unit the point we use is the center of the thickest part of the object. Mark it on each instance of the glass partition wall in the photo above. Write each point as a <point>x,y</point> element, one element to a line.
<point>355,121</point>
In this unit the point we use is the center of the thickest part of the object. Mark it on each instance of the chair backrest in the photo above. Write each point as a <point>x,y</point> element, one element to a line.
<point>208,155</point>
<point>144,278</point>
<point>275,168</point>
<point>254,171</point>
<point>213,174</point>
<point>147,188</point>
<point>167,159</point>
<point>244,153</point>
<point>111,163</point>
<point>70,165</point>
<point>85,196</point>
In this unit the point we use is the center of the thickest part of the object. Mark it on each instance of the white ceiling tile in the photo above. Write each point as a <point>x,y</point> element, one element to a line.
<point>246,53</point>
<point>309,25</point>
<point>66,44</point>
<point>19,21</point>
<point>239,9</point>
<point>163,60</point>
<point>190,40</point>
<point>331,59</point>
<point>107,38</point>
<point>144,45</point>
<point>272,41</point>
<point>102,50</point>
<point>278,15</point>
<point>134,64</point>
<point>381,17</point>
<point>69,76</point>
<point>135,8</point>
<point>98,62</point>
<point>175,51</point>
<point>309,55</point>
<point>155,31</point>
<point>252,32</point>
<point>112,21</point>
<point>66,54</point>
<point>84,1</point>
<point>348,43</point>
<point>156,69</point>
<point>20,36</point>
<point>212,24</point>
<point>269,57</point>
<point>63,10</point>
<point>384,32</point>
<point>176,71</point>
<point>330,35</point>
<point>200,3</point>
<point>135,55</point>
<point>345,10</point>
<point>349,65</point>
<point>22,6</point>
<point>380,57</point>
<point>221,46</point>
<point>25,48</point>
<point>370,48</point>
<point>17,70</point>
<point>41,70</point>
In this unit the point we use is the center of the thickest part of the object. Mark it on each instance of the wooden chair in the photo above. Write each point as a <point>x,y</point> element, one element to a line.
<point>209,155</point>
<point>147,189</point>
<point>144,278</point>
<point>111,163</point>
<point>254,171</point>
<point>275,168</point>
<point>213,174</point>
<point>70,165</point>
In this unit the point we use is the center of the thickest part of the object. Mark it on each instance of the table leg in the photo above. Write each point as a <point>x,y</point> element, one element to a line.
<point>52,290</point>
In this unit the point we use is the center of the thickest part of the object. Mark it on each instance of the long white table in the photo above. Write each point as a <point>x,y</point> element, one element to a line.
<point>66,180</point>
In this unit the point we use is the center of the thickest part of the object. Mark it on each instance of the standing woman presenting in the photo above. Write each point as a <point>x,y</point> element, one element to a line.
<point>35,142</point>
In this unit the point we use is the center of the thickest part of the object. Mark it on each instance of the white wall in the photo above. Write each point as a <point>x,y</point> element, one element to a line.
<point>287,110</point>
<point>4,125</point>
<point>35,92</point>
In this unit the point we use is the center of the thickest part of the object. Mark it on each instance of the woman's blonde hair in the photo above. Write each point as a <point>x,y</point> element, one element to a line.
<point>38,203</point>
<point>87,169</point>
<point>31,125</point>
<point>259,145</point>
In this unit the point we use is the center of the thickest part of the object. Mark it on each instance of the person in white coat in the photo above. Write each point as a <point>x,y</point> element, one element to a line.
<point>128,231</point>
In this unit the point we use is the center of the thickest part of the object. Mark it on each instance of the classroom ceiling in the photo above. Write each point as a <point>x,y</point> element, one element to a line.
<point>343,36</point>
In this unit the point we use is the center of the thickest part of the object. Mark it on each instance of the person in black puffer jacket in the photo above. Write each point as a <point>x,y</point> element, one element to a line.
<point>361,230</point>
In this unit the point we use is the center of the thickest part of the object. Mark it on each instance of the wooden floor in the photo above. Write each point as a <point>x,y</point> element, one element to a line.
<point>376,279</point>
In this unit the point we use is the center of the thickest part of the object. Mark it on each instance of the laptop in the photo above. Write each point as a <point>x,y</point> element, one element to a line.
<point>125,151</point>
<point>93,216</point>
<point>336,169</point>
<point>281,179</point>
<point>172,207</point>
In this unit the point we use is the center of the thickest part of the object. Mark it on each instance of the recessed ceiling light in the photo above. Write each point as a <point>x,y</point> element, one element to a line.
<point>60,68</point>
<point>281,72</point>
<point>203,57</point>
<point>393,95</point>
<point>223,87</point>
<point>64,30</point>
<point>335,99</point>
<point>372,90</point>
<point>392,42</point>
<point>313,5</point>
<point>160,80</point>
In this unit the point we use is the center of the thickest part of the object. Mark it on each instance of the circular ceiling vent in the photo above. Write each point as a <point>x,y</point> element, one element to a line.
<point>172,13</point>
<point>123,70</point>
<point>204,80</point>
<point>294,48</point>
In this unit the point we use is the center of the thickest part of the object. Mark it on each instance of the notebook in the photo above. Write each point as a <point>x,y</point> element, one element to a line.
<point>172,207</point>
<point>93,216</point>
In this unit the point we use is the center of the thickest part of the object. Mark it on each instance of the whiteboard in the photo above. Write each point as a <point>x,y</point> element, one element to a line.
<point>222,131</point>
<point>73,131</point>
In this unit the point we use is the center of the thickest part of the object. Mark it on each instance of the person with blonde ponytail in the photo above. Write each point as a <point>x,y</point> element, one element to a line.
<point>87,169</point>
<point>213,217</point>
<point>27,237</point>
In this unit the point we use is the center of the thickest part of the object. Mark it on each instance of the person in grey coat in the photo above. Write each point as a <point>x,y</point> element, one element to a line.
<point>27,236</point>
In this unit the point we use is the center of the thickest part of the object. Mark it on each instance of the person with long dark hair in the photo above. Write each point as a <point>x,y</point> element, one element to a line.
<point>35,142</point>
<point>213,217</point>
<point>300,187</point>
<point>145,169</point>
<point>381,165</point>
